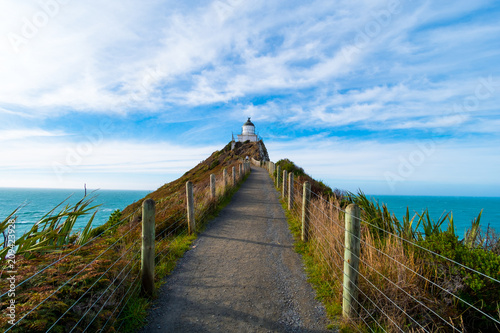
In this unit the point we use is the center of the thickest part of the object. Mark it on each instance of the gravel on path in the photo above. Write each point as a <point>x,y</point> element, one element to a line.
<point>242,274</point>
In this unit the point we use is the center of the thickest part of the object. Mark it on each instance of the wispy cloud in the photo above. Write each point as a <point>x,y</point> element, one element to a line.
<point>392,71</point>
<point>378,167</point>
<point>21,134</point>
<point>66,164</point>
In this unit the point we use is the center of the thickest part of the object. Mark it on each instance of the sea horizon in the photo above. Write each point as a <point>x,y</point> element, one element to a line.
<point>37,202</point>
<point>74,188</point>
<point>463,208</point>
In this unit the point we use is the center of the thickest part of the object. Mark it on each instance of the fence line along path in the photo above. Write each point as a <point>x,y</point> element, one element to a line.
<point>242,274</point>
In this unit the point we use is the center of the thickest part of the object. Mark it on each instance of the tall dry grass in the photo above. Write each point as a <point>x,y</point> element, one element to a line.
<point>64,283</point>
<point>394,290</point>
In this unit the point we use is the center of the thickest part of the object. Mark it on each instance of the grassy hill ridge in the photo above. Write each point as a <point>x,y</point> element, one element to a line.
<point>90,279</point>
<point>170,197</point>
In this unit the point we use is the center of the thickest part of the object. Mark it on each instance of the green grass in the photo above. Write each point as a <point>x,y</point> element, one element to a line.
<point>92,269</point>
<point>477,250</point>
<point>315,271</point>
<point>134,317</point>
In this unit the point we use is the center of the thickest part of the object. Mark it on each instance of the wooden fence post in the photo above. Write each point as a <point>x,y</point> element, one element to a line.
<point>278,176</point>
<point>306,200</point>
<point>283,190</point>
<point>351,260</point>
<point>190,207</point>
<point>212,186</point>
<point>290,191</point>
<point>240,174</point>
<point>148,247</point>
<point>224,178</point>
<point>233,171</point>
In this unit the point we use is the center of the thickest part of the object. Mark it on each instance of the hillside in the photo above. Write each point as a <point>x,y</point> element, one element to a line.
<point>85,279</point>
<point>170,197</point>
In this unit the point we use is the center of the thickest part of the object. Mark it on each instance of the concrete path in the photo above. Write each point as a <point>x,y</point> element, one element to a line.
<point>242,274</point>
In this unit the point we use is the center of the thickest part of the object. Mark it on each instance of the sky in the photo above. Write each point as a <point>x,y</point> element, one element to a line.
<point>391,97</point>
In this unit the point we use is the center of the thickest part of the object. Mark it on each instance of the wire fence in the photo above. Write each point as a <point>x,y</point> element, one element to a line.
<point>89,287</point>
<point>73,278</point>
<point>402,285</point>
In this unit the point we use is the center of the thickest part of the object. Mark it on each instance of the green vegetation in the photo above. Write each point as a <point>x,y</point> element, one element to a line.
<point>90,279</point>
<point>53,231</point>
<point>316,270</point>
<point>478,251</point>
<point>317,186</point>
<point>406,260</point>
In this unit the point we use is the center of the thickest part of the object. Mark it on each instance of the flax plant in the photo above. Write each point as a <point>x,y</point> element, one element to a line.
<point>416,274</point>
<point>54,230</point>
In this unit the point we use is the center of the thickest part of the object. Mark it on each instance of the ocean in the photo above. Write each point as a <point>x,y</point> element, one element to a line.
<point>464,209</point>
<point>37,202</point>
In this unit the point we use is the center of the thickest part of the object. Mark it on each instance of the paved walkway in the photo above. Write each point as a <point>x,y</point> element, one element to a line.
<point>242,274</point>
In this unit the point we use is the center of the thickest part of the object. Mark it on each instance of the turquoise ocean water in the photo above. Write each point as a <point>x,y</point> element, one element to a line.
<point>37,202</point>
<point>464,209</point>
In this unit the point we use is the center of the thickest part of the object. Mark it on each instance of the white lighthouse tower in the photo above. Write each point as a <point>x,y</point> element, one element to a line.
<point>248,132</point>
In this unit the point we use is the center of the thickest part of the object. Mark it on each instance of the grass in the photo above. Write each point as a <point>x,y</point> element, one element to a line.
<point>171,249</point>
<point>317,271</point>
<point>67,283</point>
<point>402,286</point>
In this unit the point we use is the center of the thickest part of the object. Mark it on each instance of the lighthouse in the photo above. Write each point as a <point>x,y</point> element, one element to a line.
<point>248,132</point>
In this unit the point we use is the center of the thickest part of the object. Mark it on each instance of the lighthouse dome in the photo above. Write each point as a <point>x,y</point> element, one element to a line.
<point>248,128</point>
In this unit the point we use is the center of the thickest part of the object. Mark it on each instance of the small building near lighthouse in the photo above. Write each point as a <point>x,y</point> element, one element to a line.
<point>248,132</point>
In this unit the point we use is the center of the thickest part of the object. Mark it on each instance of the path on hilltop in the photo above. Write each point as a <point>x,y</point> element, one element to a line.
<point>242,274</point>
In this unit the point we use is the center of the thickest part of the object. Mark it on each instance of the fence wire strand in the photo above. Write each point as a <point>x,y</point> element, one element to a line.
<point>102,275</point>
<point>117,307</point>
<point>70,253</point>
<point>64,284</point>
<point>411,243</point>
<point>102,294</point>
<point>403,265</point>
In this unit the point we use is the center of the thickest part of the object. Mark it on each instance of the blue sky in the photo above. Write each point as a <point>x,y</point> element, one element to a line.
<point>392,97</point>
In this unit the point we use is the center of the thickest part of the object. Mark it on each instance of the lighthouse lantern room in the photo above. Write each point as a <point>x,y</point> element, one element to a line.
<point>248,132</point>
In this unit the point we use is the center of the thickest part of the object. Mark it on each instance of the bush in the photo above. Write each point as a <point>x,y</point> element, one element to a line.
<point>474,288</point>
<point>289,166</point>
<point>214,164</point>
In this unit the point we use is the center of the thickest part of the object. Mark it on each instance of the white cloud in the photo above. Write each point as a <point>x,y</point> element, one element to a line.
<point>19,134</point>
<point>125,55</point>
<point>390,168</point>
<point>107,164</point>
<point>319,65</point>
